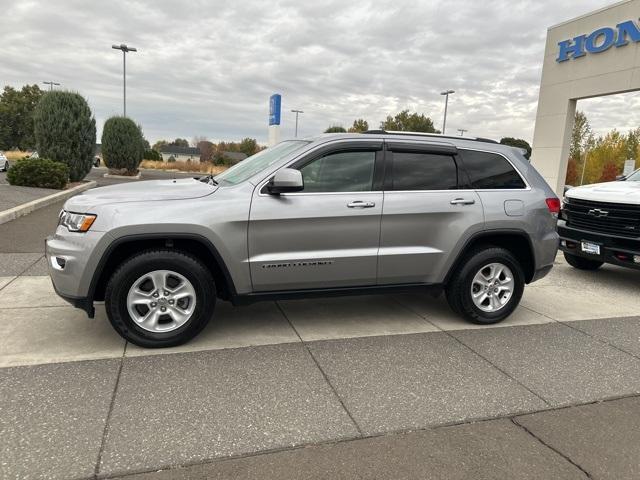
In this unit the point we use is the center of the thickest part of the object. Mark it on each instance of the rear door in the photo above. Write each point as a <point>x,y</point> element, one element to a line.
<point>327,235</point>
<point>428,208</point>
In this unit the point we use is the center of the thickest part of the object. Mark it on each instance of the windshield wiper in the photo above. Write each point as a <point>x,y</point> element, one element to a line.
<point>208,179</point>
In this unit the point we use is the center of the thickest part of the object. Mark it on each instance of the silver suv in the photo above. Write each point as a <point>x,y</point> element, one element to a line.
<point>336,214</point>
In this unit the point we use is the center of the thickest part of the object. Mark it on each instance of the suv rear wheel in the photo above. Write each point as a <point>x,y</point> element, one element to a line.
<point>160,298</point>
<point>582,263</point>
<point>487,287</point>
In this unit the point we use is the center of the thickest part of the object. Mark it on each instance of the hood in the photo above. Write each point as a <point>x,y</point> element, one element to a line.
<point>146,191</point>
<point>613,192</point>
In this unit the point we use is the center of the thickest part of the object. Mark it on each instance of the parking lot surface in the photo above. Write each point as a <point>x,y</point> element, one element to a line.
<point>358,387</point>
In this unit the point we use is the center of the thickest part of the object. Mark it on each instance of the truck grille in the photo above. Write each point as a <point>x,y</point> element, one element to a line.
<point>612,218</point>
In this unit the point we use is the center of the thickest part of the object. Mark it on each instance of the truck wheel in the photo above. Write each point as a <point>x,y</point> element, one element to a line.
<point>582,263</point>
<point>160,298</point>
<point>487,287</point>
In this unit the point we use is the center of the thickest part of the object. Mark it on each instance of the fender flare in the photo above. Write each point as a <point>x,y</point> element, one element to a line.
<point>97,274</point>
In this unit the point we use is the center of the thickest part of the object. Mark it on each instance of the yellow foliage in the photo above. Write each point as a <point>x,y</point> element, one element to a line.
<point>612,148</point>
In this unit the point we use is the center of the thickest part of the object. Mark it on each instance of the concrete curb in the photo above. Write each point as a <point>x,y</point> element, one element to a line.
<point>123,177</point>
<point>26,208</point>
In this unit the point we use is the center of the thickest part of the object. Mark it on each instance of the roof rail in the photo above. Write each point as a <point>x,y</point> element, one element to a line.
<point>435,135</point>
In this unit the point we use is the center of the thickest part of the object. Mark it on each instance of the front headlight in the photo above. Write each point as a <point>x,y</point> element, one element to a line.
<point>76,222</point>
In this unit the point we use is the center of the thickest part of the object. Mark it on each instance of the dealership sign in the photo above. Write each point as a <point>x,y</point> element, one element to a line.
<point>275,102</point>
<point>599,40</point>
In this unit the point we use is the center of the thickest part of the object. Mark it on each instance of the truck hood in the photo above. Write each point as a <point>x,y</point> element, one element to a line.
<point>612,192</point>
<point>146,191</point>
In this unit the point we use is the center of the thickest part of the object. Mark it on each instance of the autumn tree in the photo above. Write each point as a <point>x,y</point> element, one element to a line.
<point>197,139</point>
<point>248,146</point>
<point>207,150</point>
<point>572,173</point>
<point>359,125</point>
<point>582,140</point>
<point>409,122</point>
<point>610,148</point>
<point>159,145</point>
<point>609,172</point>
<point>179,142</point>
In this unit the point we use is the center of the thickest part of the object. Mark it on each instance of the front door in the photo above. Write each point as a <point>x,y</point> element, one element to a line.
<point>328,234</point>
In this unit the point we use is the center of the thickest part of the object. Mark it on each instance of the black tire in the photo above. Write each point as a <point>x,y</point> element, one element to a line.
<point>6,166</point>
<point>582,263</point>
<point>458,290</point>
<point>135,267</point>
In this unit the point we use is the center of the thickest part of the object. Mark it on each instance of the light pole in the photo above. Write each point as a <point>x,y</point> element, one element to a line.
<point>446,94</point>
<point>584,166</point>
<point>124,49</point>
<point>51,84</point>
<point>297,112</point>
<point>462,131</point>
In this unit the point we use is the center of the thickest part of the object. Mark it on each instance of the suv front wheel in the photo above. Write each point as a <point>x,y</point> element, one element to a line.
<point>160,298</point>
<point>487,287</point>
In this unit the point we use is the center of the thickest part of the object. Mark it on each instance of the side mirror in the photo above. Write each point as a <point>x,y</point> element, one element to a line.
<point>286,180</point>
<point>620,177</point>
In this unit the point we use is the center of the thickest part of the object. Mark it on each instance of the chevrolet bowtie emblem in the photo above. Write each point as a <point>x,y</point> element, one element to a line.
<point>596,212</point>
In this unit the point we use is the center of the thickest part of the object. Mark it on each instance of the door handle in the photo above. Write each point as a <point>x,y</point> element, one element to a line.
<point>361,204</point>
<point>462,201</point>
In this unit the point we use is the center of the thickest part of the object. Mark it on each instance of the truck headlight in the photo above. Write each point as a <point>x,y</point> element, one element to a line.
<point>76,222</point>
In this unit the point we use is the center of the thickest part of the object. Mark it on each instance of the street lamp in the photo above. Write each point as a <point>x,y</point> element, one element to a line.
<point>124,49</point>
<point>584,166</point>
<point>51,84</point>
<point>462,131</point>
<point>297,112</point>
<point>446,94</point>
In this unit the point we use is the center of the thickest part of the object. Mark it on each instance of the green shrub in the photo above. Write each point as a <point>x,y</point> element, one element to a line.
<point>122,145</point>
<point>38,172</point>
<point>65,131</point>
<point>151,155</point>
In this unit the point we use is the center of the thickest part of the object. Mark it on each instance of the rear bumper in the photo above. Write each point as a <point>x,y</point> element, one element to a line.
<point>613,249</point>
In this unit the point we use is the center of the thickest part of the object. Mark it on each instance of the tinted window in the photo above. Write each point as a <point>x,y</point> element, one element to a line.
<point>489,170</point>
<point>424,171</point>
<point>340,172</point>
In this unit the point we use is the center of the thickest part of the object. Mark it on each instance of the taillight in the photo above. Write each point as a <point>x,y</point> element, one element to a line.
<point>553,204</point>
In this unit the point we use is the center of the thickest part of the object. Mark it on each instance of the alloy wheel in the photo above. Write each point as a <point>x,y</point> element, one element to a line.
<point>492,287</point>
<point>161,301</point>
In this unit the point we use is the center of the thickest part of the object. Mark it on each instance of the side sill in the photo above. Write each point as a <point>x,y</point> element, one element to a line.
<point>423,288</point>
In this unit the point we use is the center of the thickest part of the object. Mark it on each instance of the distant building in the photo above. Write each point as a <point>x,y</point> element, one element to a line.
<point>180,154</point>
<point>192,154</point>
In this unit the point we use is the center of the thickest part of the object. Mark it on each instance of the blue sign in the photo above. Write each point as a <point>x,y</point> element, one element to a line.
<point>275,102</point>
<point>598,41</point>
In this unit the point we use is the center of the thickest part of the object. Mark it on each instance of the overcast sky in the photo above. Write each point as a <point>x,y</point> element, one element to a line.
<point>207,68</point>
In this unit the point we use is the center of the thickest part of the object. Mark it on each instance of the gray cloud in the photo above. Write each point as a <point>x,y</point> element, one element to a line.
<point>208,67</point>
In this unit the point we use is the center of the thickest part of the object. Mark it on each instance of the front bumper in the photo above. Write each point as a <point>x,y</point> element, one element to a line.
<point>613,249</point>
<point>69,257</point>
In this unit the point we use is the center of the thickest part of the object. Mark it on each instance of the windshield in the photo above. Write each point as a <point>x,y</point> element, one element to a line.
<point>634,177</point>
<point>258,162</point>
